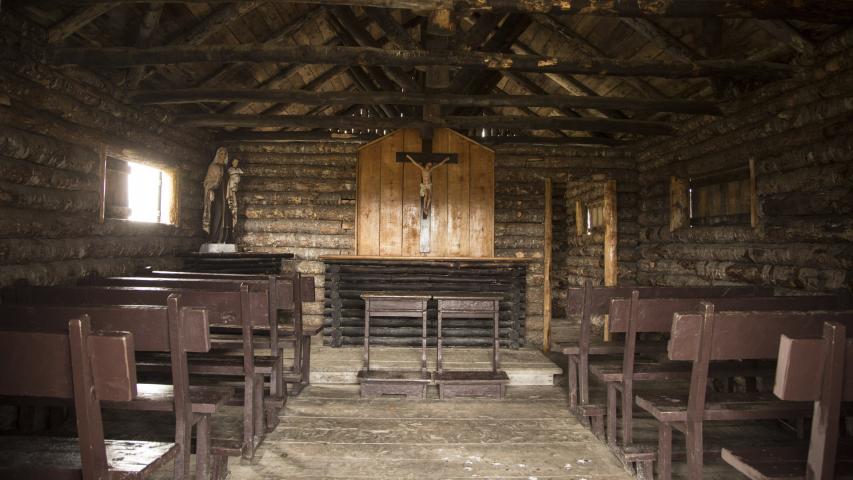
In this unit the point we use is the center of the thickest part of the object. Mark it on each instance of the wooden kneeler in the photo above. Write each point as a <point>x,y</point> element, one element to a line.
<point>407,383</point>
<point>470,383</point>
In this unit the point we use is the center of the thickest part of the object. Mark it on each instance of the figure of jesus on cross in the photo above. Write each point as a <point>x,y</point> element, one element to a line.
<point>426,182</point>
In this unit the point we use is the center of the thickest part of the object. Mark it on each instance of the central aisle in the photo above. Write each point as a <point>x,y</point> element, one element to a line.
<point>329,432</point>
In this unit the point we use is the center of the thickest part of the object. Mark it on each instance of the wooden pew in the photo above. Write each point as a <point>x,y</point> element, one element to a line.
<point>228,305</point>
<point>712,337</point>
<point>43,365</point>
<point>818,370</point>
<point>280,295</point>
<point>635,315</point>
<point>588,301</point>
<point>297,335</point>
<point>172,329</point>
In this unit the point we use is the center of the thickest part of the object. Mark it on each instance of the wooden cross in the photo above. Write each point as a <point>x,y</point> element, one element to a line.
<point>427,162</point>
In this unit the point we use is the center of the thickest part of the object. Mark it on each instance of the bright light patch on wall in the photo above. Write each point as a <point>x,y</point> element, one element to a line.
<point>150,194</point>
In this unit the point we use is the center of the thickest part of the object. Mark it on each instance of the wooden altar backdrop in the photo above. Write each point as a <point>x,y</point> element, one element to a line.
<point>462,222</point>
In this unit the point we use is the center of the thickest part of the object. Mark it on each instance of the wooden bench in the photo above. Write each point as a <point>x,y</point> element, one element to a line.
<point>408,383</point>
<point>172,329</point>
<point>589,301</point>
<point>479,383</point>
<point>60,366</point>
<point>725,336</point>
<point>296,335</point>
<point>228,305</point>
<point>818,370</point>
<point>635,315</point>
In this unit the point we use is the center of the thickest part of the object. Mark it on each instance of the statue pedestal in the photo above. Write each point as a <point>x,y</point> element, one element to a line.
<point>218,248</point>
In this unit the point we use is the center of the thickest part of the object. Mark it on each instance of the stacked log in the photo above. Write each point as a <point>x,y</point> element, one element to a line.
<point>799,137</point>
<point>52,127</point>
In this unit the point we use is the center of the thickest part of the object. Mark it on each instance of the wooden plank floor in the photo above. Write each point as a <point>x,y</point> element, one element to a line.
<point>329,432</point>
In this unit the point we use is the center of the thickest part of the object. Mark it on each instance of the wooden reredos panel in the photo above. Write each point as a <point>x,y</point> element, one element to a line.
<point>462,223</point>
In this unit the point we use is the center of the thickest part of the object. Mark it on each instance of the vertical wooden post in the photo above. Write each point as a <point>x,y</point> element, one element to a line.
<point>610,240</point>
<point>679,203</point>
<point>546,285</point>
<point>102,193</point>
<point>580,222</point>
<point>753,195</point>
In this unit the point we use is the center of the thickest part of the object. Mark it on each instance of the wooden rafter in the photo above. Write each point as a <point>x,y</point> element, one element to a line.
<point>77,20</point>
<point>146,28</point>
<point>832,11</point>
<point>123,57</point>
<point>666,41</point>
<point>537,99</point>
<point>464,122</point>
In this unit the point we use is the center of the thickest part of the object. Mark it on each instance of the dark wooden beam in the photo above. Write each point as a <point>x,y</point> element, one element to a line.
<point>365,83</point>
<point>122,57</point>
<point>587,48</point>
<point>305,97</point>
<point>826,11</point>
<point>396,32</point>
<point>149,23</point>
<point>283,137</point>
<point>527,123</point>
<point>551,141</point>
<point>214,22</point>
<point>789,35</point>
<point>285,33</point>
<point>77,20</point>
<point>359,36</point>
<point>666,41</point>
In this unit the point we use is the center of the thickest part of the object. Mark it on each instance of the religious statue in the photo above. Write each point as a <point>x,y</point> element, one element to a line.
<point>234,173</point>
<point>212,181</point>
<point>426,183</point>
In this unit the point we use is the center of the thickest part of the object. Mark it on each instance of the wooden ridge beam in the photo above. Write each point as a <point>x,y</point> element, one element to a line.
<point>551,141</point>
<point>77,20</point>
<point>462,122</point>
<point>826,11</point>
<point>122,57</point>
<point>305,97</point>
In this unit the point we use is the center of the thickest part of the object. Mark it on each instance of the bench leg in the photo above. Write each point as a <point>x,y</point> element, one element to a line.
<point>644,470</point>
<point>258,407</point>
<point>665,451</point>
<point>277,376</point>
<point>306,362</point>
<point>184,439</point>
<point>597,426</point>
<point>612,416</point>
<point>573,383</point>
<point>219,468</point>
<point>249,413</point>
<point>695,449</point>
<point>202,448</point>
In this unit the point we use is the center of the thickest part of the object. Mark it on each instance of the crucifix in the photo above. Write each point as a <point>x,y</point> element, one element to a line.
<point>426,161</point>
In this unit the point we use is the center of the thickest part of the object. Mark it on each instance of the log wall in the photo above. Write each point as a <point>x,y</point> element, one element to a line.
<point>300,198</point>
<point>799,136</point>
<point>52,127</point>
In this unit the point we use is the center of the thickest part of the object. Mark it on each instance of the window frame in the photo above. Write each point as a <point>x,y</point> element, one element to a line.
<point>138,157</point>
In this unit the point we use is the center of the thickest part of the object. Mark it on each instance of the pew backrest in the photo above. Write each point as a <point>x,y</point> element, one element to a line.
<point>37,363</point>
<point>600,297</point>
<point>307,282</point>
<point>149,324</point>
<point>801,367</point>
<point>656,314</point>
<point>745,335</point>
<point>223,306</point>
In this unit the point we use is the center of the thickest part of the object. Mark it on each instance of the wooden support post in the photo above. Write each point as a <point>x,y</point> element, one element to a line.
<point>753,195</point>
<point>546,285</point>
<point>679,203</point>
<point>610,239</point>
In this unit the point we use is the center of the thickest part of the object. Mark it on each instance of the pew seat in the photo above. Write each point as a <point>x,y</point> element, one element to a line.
<point>25,457</point>
<point>785,463</point>
<point>161,398</point>
<point>672,406</point>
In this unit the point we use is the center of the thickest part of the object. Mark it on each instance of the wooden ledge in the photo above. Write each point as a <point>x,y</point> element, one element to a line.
<point>366,258</point>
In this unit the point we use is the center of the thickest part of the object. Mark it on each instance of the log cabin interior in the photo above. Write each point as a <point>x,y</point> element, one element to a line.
<point>426,239</point>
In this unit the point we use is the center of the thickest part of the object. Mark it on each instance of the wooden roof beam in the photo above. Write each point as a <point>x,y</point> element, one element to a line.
<point>826,11</point>
<point>789,35</point>
<point>77,20</point>
<point>539,98</point>
<point>463,122</point>
<point>587,48</point>
<point>394,30</point>
<point>123,57</point>
<point>663,39</point>
<point>146,28</point>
